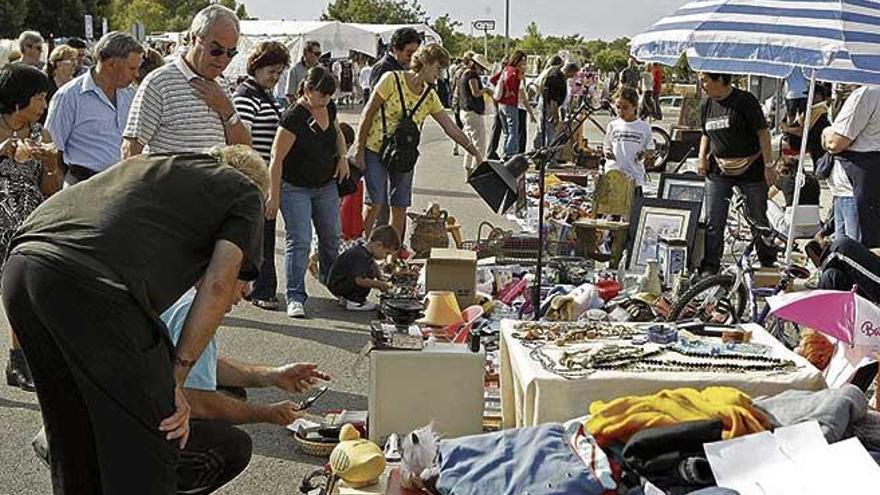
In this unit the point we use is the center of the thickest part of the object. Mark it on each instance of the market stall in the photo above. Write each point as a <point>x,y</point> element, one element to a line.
<point>533,395</point>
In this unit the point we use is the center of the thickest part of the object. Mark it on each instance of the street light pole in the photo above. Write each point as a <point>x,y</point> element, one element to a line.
<point>506,25</point>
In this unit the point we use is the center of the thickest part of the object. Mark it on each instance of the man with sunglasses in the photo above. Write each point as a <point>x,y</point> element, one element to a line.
<point>30,43</point>
<point>180,107</point>
<point>297,74</point>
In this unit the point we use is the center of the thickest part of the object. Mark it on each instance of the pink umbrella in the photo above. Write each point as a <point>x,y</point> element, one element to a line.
<point>845,316</point>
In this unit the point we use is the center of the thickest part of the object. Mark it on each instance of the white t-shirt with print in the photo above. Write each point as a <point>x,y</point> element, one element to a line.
<point>859,120</point>
<point>626,140</point>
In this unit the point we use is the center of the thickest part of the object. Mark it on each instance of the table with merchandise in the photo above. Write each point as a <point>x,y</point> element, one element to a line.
<point>552,371</point>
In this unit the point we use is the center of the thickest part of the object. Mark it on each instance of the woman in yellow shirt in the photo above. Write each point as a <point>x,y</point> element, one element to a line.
<point>389,188</point>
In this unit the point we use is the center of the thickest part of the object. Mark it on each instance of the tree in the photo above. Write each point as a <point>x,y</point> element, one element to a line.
<point>13,14</point>
<point>610,59</point>
<point>152,14</point>
<point>533,42</point>
<point>54,17</point>
<point>375,11</point>
<point>455,42</point>
<point>242,13</point>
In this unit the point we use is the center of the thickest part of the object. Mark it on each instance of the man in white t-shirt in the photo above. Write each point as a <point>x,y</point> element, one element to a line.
<point>855,128</point>
<point>629,142</point>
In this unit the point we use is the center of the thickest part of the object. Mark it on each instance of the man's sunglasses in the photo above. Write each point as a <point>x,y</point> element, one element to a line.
<point>217,51</point>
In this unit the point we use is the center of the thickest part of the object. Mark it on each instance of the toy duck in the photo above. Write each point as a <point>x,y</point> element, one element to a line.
<point>356,461</point>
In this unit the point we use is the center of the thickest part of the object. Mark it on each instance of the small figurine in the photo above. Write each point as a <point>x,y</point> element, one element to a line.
<point>356,461</point>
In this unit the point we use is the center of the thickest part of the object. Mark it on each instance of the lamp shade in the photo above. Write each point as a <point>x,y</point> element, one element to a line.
<point>496,182</point>
<point>443,309</point>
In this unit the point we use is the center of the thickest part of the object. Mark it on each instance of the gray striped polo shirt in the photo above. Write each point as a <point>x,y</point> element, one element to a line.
<point>168,116</point>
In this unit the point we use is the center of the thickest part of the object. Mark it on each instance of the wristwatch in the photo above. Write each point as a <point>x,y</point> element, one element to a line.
<point>232,120</point>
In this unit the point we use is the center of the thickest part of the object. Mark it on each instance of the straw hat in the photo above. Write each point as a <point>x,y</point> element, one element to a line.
<point>442,310</point>
<point>482,61</point>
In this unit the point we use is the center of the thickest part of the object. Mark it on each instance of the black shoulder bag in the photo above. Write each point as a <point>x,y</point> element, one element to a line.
<point>400,149</point>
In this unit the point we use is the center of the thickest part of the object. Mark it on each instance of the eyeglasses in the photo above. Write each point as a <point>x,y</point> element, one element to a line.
<point>216,51</point>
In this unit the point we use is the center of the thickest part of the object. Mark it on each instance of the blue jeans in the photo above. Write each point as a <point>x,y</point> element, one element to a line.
<point>718,193</point>
<point>383,187</point>
<point>300,207</point>
<point>846,218</point>
<point>510,127</point>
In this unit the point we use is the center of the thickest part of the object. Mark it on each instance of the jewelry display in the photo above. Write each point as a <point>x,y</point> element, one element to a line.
<point>564,333</point>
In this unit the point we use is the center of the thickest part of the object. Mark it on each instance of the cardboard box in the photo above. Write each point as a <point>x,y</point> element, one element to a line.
<point>453,270</point>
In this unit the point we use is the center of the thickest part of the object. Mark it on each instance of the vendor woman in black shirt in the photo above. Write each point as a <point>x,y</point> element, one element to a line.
<point>733,152</point>
<point>308,157</point>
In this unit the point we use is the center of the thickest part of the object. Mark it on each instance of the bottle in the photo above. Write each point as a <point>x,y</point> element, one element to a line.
<point>650,280</point>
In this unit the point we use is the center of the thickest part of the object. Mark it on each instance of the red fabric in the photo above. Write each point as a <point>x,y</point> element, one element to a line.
<point>658,80</point>
<point>351,214</point>
<point>512,81</point>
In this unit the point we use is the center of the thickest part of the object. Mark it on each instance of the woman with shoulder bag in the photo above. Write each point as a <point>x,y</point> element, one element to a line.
<point>258,108</point>
<point>510,94</point>
<point>388,137</point>
<point>308,159</point>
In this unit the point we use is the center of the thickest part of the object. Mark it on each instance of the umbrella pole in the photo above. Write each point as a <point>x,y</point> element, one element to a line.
<point>799,178</point>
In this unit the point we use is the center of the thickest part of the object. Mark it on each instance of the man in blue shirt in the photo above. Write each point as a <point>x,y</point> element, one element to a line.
<point>87,115</point>
<point>214,375</point>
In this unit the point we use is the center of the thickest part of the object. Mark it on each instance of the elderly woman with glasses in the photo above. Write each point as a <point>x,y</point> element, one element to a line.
<point>60,69</point>
<point>181,107</point>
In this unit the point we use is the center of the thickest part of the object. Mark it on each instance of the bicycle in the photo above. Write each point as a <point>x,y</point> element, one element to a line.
<point>726,298</point>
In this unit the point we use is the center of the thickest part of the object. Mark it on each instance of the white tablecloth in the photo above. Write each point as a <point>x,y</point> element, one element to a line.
<point>530,395</point>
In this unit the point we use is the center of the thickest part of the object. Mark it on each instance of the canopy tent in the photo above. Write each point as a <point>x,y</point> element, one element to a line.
<point>829,40</point>
<point>337,38</point>
<point>384,31</point>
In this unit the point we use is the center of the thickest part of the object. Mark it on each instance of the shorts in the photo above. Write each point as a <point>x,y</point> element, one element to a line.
<point>384,188</point>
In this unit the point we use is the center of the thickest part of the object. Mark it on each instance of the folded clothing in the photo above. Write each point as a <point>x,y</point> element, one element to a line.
<point>620,419</point>
<point>513,462</point>
<point>841,413</point>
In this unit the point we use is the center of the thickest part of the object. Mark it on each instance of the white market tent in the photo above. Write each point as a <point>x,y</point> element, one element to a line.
<point>335,37</point>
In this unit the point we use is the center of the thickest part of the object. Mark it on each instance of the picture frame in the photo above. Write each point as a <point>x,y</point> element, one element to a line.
<point>655,217</point>
<point>682,187</point>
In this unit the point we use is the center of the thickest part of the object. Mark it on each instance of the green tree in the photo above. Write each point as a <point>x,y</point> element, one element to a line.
<point>456,43</point>
<point>375,11</point>
<point>13,14</point>
<point>533,42</point>
<point>152,14</point>
<point>610,59</point>
<point>54,17</point>
<point>242,13</point>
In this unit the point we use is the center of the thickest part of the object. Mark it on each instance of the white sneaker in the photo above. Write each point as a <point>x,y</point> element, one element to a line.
<point>295,310</point>
<point>365,306</point>
<point>341,301</point>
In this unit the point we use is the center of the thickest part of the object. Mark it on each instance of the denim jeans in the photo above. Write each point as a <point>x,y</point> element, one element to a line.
<point>510,127</point>
<point>846,218</point>
<point>300,207</point>
<point>267,282</point>
<point>718,193</point>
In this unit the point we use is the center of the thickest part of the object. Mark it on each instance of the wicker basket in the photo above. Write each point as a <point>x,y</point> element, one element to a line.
<point>317,449</point>
<point>489,241</point>
<point>428,232</point>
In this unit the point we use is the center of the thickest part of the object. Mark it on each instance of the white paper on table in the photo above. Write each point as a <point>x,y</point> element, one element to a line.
<point>795,460</point>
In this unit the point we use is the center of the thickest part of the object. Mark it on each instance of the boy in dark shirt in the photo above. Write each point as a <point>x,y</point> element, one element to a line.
<point>355,271</point>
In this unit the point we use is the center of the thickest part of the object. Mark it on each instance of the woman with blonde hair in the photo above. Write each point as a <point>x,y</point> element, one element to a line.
<point>60,69</point>
<point>401,95</point>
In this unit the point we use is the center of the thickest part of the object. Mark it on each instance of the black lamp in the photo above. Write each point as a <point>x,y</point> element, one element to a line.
<point>496,182</point>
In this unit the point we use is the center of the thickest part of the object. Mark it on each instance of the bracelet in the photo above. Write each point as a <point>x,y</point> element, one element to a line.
<point>184,363</point>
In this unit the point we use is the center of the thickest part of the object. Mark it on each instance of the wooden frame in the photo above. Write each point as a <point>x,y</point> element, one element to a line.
<point>683,187</point>
<point>655,217</point>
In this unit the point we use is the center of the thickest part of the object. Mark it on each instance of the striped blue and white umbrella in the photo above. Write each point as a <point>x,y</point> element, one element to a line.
<point>831,40</point>
<point>838,38</point>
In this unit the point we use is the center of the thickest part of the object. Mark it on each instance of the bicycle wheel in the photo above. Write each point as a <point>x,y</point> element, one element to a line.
<point>662,143</point>
<point>711,301</point>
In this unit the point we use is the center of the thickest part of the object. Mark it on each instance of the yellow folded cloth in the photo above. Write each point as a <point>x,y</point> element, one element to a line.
<point>621,418</point>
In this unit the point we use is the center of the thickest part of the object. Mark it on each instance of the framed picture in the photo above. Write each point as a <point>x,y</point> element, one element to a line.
<point>653,218</point>
<point>682,187</point>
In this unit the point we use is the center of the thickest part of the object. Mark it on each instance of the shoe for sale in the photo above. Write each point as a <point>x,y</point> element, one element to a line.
<point>296,310</point>
<point>267,304</point>
<point>18,374</point>
<point>364,306</point>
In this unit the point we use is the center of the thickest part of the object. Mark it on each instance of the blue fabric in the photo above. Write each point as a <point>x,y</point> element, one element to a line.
<point>796,85</point>
<point>839,39</point>
<point>846,218</point>
<point>300,207</point>
<point>86,125</point>
<point>384,188</point>
<point>536,460</point>
<point>510,127</point>
<point>203,375</point>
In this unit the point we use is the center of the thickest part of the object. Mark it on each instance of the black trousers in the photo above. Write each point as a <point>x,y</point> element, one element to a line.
<point>102,369</point>
<point>849,263</point>
<point>492,150</point>
<point>266,285</point>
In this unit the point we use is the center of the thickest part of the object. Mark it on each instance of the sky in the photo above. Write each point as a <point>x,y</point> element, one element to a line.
<point>604,19</point>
